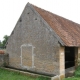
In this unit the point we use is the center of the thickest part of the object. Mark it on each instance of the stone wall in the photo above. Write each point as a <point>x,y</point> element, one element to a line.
<point>62,62</point>
<point>4,60</point>
<point>33,45</point>
<point>79,56</point>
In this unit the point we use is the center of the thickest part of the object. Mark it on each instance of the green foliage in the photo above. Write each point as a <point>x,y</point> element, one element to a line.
<point>3,43</point>
<point>77,72</point>
<point>72,78</point>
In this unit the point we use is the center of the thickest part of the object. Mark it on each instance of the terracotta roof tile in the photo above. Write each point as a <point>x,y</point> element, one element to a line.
<point>68,31</point>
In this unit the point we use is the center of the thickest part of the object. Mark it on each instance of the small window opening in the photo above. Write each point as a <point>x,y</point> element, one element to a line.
<point>20,20</point>
<point>35,18</point>
<point>28,13</point>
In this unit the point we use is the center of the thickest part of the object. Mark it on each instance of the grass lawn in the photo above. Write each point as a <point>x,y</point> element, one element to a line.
<point>9,75</point>
<point>72,78</point>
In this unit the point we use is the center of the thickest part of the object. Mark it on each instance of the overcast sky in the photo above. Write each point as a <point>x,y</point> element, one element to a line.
<point>10,11</point>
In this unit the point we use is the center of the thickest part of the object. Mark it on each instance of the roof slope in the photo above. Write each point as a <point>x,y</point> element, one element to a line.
<point>68,31</point>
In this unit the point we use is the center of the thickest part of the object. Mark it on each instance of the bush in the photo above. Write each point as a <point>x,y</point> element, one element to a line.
<point>77,72</point>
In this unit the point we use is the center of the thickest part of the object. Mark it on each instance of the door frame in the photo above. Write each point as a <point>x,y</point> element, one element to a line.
<point>27,45</point>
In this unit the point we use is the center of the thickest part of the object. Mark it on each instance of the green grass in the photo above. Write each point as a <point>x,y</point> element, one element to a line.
<point>72,78</point>
<point>9,75</point>
<point>76,76</point>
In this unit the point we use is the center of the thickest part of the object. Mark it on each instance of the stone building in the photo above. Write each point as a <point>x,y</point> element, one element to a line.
<point>44,43</point>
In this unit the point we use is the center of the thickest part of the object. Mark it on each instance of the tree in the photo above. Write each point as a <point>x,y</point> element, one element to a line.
<point>0,44</point>
<point>3,43</point>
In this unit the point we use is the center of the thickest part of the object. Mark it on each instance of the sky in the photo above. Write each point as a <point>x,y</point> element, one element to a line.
<point>10,11</point>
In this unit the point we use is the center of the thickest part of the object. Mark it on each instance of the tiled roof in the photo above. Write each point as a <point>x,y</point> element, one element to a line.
<point>68,31</point>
